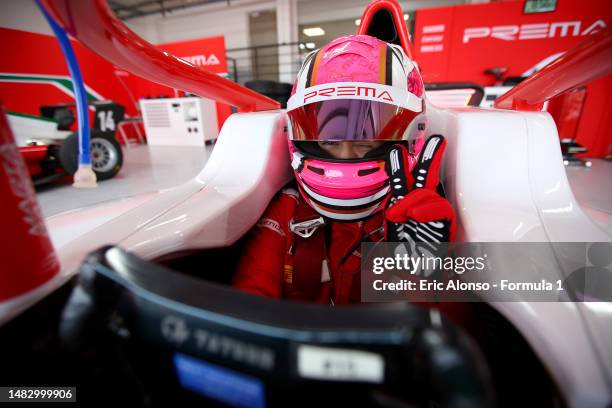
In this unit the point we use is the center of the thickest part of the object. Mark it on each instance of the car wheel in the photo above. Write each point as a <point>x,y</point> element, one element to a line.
<point>106,154</point>
<point>69,154</point>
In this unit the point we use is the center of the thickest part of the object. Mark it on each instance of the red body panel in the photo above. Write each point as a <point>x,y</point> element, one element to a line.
<point>395,9</point>
<point>28,257</point>
<point>588,61</point>
<point>32,155</point>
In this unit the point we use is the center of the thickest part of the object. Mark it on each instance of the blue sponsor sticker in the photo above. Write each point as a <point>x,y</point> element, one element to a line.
<point>221,384</point>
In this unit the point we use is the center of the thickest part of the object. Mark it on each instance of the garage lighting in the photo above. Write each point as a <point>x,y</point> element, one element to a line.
<point>307,46</point>
<point>313,32</point>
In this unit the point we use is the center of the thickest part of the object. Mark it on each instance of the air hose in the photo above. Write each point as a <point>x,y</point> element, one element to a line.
<point>84,176</point>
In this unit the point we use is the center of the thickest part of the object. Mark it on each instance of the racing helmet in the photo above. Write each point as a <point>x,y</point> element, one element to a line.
<point>356,88</point>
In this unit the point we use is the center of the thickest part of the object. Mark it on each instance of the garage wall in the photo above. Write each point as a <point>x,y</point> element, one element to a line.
<point>310,11</point>
<point>202,21</point>
<point>232,21</point>
<point>208,20</point>
<point>23,15</point>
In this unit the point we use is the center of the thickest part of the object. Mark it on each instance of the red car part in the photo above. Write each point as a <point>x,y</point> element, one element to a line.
<point>395,11</point>
<point>588,61</point>
<point>32,155</point>
<point>28,257</point>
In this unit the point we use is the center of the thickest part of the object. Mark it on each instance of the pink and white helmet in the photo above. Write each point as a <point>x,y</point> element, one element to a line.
<point>355,88</point>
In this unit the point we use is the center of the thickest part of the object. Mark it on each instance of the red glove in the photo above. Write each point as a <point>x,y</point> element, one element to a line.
<point>416,212</point>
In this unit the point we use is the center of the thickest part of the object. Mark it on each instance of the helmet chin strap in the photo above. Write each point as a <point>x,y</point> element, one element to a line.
<point>351,217</point>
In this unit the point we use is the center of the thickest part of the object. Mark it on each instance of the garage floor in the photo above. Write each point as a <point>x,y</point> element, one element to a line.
<point>145,169</point>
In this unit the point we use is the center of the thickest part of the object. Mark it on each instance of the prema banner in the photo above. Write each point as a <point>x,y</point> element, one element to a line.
<point>207,52</point>
<point>459,43</point>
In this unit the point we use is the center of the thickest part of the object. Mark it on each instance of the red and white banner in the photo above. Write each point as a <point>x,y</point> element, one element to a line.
<point>459,43</point>
<point>33,73</point>
<point>207,52</point>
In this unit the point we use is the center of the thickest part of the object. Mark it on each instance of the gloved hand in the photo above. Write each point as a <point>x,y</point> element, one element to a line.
<point>416,212</point>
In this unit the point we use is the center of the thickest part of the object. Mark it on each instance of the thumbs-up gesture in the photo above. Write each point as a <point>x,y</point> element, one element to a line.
<point>416,212</point>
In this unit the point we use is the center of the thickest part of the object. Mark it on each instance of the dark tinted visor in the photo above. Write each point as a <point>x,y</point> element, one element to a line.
<point>349,119</point>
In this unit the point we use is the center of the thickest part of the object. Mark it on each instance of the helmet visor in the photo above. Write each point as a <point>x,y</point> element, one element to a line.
<point>349,119</point>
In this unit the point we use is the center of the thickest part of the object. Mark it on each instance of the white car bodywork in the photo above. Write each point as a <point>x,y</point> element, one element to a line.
<point>29,130</point>
<point>504,174</point>
<point>502,171</point>
<point>460,97</point>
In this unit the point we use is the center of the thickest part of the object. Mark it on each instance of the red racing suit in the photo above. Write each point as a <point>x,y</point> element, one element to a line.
<point>324,268</point>
<point>284,258</point>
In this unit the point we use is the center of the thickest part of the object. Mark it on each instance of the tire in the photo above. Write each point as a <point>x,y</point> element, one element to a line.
<point>106,154</point>
<point>69,154</point>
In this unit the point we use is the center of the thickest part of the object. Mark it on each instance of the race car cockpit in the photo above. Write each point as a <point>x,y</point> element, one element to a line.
<point>151,318</point>
<point>184,338</point>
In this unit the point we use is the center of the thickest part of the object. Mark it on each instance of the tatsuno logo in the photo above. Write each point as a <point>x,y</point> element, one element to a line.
<point>202,60</point>
<point>335,91</point>
<point>532,31</point>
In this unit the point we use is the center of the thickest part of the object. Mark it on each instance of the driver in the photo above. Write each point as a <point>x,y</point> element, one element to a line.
<point>363,172</point>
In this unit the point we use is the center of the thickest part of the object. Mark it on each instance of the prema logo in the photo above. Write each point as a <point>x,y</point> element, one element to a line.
<point>202,60</point>
<point>532,31</point>
<point>364,91</point>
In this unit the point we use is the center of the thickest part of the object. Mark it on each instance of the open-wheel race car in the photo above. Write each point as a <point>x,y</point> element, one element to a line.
<point>141,310</point>
<point>50,148</point>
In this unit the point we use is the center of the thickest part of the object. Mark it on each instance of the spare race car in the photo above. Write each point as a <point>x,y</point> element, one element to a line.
<point>139,310</point>
<point>50,148</point>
